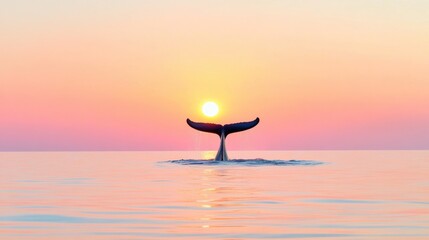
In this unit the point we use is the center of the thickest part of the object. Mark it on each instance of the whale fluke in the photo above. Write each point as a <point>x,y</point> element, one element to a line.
<point>222,132</point>
<point>226,129</point>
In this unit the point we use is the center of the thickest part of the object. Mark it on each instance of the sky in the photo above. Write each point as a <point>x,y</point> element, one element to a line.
<point>125,75</point>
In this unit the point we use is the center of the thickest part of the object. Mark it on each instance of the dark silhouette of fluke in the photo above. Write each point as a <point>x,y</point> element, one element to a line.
<point>223,132</point>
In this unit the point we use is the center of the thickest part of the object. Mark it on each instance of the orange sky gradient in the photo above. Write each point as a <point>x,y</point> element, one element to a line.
<point>125,75</point>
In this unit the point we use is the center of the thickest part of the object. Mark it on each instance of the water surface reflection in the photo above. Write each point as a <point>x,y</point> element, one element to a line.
<point>131,195</point>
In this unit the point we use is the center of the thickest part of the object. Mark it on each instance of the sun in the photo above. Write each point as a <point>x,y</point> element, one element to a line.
<point>210,109</point>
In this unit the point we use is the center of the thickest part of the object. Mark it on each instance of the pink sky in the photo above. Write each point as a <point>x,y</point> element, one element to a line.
<point>125,75</point>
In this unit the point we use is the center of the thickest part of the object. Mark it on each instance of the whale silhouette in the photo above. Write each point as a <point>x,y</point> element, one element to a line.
<point>222,132</point>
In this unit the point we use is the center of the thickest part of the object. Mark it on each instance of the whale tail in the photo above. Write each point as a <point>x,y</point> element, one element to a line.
<point>222,131</point>
<point>225,129</point>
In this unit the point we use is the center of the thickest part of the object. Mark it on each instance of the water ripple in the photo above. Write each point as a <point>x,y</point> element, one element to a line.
<point>246,162</point>
<point>53,218</point>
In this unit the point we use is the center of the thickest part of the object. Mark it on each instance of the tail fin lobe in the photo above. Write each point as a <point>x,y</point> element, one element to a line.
<point>205,127</point>
<point>238,127</point>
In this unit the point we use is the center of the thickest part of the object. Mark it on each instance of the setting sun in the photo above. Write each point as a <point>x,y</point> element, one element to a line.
<point>210,109</point>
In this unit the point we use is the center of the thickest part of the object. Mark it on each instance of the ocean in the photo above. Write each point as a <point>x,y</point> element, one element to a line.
<point>182,195</point>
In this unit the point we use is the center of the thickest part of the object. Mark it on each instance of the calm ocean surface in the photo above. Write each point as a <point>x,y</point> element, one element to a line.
<point>141,195</point>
